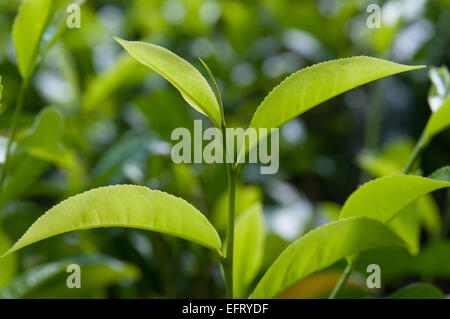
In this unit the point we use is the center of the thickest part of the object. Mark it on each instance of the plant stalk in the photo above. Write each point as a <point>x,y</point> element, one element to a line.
<point>347,271</point>
<point>12,129</point>
<point>232,178</point>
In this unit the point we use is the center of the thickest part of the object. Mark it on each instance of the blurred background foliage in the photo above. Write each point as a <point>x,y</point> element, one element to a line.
<point>105,120</point>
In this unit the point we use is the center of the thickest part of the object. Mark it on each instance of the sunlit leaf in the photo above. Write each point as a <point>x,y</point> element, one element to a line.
<point>192,85</point>
<point>29,26</point>
<point>418,291</point>
<point>48,280</point>
<point>391,161</point>
<point>311,86</point>
<point>123,206</point>
<point>406,224</point>
<point>248,248</point>
<point>321,248</point>
<point>383,198</point>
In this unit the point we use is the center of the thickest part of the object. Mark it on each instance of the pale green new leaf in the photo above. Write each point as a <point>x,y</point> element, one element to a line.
<point>439,120</point>
<point>192,85</point>
<point>49,280</point>
<point>383,198</point>
<point>123,206</point>
<point>311,86</point>
<point>29,26</point>
<point>321,248</point>
<point>248,249</point>
<point>418,291</point>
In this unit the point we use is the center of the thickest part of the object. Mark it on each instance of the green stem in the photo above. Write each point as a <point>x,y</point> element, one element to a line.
<point>232,178</point>
<point>347,271</point>
<point>12,129</point>
<point>420,146</point>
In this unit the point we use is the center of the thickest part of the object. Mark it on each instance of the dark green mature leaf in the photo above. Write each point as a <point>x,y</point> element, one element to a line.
<point>248,248</point>
<point>48,280</point>
<point>192,85</point>
<point>311,86</point>
<point>418,291</point>
<point>29,26</point>
<point>123,206</point>
<point>321,248</point>
<point>9,265</point>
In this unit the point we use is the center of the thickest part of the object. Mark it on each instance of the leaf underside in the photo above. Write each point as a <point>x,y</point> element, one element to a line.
<point>321,248</point>
<point>123,206</point>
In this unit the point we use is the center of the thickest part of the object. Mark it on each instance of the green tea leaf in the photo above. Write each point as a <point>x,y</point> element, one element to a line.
<point>246,196</point>
<point>383,198</point>
<point>48,280</point>
<point>248,249</point>
<point>192,85</point>
<point>440,88</point>
<point>418,291</point>
<point>29,26</point>
<point>123,73</point>
<point>311,86</point>
<point>439,120</point>
<point>44,139</point>
<point>9,265</point>
<point>406,224</point>
<point>391,161</point>
<point>123,206</point>
<point>321,248</point>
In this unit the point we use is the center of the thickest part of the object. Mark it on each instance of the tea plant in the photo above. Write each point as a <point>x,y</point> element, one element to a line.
<point>378,214</point>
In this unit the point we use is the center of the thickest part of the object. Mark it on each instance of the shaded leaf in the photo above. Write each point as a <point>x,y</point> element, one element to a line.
<point>48,280</point>
<point>321,248</point>
<point>418,291</point>
<point>123,206</point>
<point>320,285</point>
<point>248,248</point>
